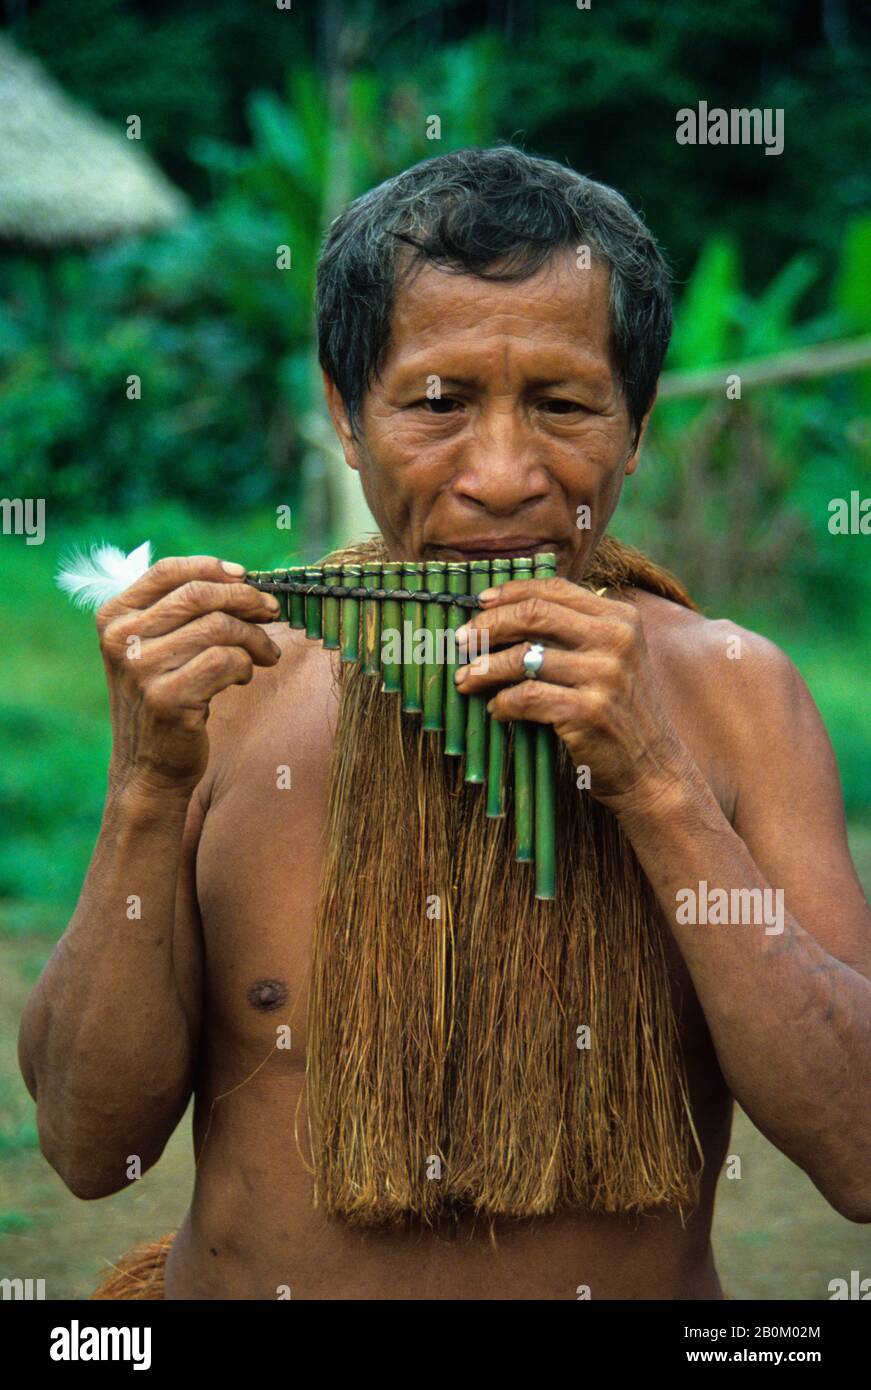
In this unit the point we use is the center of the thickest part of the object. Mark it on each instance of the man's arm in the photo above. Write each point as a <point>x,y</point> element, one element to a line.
<point>789,1010</point>
<point>109,1037</point>
<point>108,1040</point>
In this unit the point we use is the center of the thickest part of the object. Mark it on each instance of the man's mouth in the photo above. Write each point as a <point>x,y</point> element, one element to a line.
<point>491,547</point>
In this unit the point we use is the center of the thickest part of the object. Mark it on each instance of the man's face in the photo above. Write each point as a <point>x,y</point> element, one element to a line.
<point>529,426</point>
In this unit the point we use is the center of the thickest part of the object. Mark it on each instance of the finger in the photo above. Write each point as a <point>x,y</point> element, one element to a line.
<point>538,701</point>
<point>218,629</point>
<point>560,667</point>
<point>200,679</point>
<point>169,574</point>
<point>586,712</point>
<point>192,600</point>
<point>581,597</point>
<point>534,618</point>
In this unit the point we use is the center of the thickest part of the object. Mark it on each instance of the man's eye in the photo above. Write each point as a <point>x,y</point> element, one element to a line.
<point>558,405</point>
<point>438,405</point>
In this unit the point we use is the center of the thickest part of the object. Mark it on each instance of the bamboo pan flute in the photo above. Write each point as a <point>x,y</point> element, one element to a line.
<point>349,607</point>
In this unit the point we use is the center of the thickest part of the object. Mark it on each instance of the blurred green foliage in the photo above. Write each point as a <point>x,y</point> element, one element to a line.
<point>272,120</point>
<point>734,493</point>
<point>599,88</point>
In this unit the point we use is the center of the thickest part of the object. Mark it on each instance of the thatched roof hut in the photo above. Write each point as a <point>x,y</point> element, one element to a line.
<point>67,178</point>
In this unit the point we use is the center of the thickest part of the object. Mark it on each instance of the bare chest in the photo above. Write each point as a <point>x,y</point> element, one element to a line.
<point>259,863</point>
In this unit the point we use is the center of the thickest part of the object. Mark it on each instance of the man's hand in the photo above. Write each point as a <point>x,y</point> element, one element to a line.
<point>182,633</point>
<point>596,686</point>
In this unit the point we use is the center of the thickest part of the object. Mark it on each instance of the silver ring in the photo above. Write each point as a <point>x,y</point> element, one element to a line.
<point>533,660</point>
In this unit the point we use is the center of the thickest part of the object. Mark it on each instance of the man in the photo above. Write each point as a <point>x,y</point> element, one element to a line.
<point>492,327</point>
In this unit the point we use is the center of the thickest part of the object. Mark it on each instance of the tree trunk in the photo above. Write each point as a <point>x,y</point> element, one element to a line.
<point>334,497</point>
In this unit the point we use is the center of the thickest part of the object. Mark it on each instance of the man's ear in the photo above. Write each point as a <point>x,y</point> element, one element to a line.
<point>341,424</point>
<point>632,457</point>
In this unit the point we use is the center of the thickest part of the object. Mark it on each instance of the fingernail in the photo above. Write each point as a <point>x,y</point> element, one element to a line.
<point>460,674</point>
<point>462,633</point>
<point>488,593</point>
<point>490,704</point>
<point>232,568</point>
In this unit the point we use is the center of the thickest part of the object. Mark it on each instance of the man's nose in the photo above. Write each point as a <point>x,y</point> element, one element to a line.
<point>500,468</point>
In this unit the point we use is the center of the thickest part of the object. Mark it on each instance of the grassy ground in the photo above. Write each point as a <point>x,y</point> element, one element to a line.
<point>775,1235</point>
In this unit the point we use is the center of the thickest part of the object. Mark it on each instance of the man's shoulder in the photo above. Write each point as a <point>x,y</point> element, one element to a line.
<point>304,670</point>
<point>697,638</point>
<point>719,664</point>
<point>288,707</point>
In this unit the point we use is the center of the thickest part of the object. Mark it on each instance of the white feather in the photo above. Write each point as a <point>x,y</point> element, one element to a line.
<point>92,579</point>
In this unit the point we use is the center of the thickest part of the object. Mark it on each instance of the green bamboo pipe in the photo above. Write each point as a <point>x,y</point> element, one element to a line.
<point>372,620</point>
<point>434,670</point>
<point>498,732</point>
<point>297,601</point>
<point>314,622</point>
<point>524,782</point>
<point>391,621</point>
<point>545,778</point>
<point>277,577</point>
<point>349,609</point>
<point>455,704</point>
<point>332,606</point>
<point>476,718</point>
<point>412,616</point>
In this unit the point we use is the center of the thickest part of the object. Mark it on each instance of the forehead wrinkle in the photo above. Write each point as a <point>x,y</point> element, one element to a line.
<point>540,366</point>
<point>556,281</point>
<point>437,322</point>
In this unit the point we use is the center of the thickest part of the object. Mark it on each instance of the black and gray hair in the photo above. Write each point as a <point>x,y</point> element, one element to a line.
<point>500,214</point>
